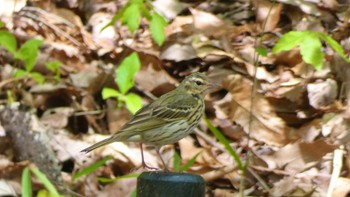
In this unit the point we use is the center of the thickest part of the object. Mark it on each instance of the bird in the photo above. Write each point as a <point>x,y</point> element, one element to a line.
<point>166,120</point>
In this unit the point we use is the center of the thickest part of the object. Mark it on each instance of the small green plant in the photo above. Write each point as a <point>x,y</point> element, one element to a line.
<point>28,54</point>
<point>98,164</point>
<point>54,67</point>
<point>50,190</point>
<point>223,140</point>
<point>131,15</point>
<point>125,80</point>
<point>177,162</point>
<point>91,168</point>
<point>108,180</point>
<point>310,46</point>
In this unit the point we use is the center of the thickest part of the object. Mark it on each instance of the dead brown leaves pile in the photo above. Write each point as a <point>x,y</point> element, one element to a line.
<point>293,123</point>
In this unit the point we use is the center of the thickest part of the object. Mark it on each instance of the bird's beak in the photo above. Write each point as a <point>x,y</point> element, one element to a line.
<point>214,86</point>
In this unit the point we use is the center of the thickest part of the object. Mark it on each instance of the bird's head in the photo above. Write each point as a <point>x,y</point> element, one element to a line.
<point>198,84</point>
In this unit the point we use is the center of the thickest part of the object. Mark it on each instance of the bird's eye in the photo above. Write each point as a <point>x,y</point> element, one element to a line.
<point>199,83</point>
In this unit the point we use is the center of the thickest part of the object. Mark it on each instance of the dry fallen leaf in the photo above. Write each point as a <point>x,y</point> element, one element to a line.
<point>322,94</point>
<point>268,14</point>
<point>298,156</point>
<point>266,126</point>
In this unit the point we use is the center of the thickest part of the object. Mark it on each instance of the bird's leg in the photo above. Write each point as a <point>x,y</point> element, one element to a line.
<point>160,156</point>
<point>144,165</point>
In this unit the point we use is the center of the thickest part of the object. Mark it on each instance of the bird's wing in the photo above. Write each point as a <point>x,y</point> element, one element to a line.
<point>180,108</point>
<point>160,112</point>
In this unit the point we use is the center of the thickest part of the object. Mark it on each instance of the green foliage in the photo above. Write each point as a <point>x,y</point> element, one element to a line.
<point>54,67</point>
<point>126,71</point>
<point>262,51</point>
<point>310,46</point>
<point>10,99</point>
<point>26,183</point>
<point>133,102</point>
<point>157,26</point>
<point>128,176</point>
<point>225,142</point>
<point>8,41</point>
<point>177,162</point>
<point>27,186</point>
<point>45,181</point>
<point>125,80</point>
<point>28,54</point>
<point>131,15</point>
<point>91,168</point>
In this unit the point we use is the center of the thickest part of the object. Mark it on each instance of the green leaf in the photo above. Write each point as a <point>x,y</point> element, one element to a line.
<point>43,193</point>
<point>126,71</point>
<point>26,183</point>
<point>110,93</point>
<point>37,77</point>
<point>45,181</point>
<point>116,17</point>
<point>177,162</point>
<point>108,180</point>
<point>311,50</point>
<point>132,17</point>
<point>157,27</point>
<point>29,53</point>
<point>133,193</point>
<point>136,1</point>
<point>262,51</point>
<point>289,41</point>
<point>10,99</point>
<point>133,102</point>
<point>1,24</point>
<point>225,142</point>
<point>91,168</point>
<point>53,66</point>
<point>145,12</point>
<point>8,41</point>
<point>21,73</point>
<point>334,45</point>
<point>188,164</point>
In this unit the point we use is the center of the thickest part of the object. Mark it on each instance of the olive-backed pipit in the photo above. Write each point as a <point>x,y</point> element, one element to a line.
<point>168,119</point>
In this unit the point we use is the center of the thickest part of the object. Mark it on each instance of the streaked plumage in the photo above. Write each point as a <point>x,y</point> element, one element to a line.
<point>168,119</point>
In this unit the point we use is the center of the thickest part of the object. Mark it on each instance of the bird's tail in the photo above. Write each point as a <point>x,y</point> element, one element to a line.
<point>99,144</point>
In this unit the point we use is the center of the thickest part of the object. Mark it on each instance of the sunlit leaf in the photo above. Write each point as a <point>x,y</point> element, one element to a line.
<point>10,99</point>
<point>128,176</point>
<point>225,142</point>
<point>262,51</point>
<point>288,41</point>
<point>311,52</point>
<point>91,168</point>
<point>334,45</point>
<point>110,93</point>
<point>45,181</point>
<point>177,162</point>
<point>26,183</point>
<point>53,66</point>
<point>20,73</point>
<point>126,71</point>
<point>37,77</point>
<point>8,41</point>
<point>133,102</point>
<point>188,164</point>
<point>132,17</point>
<point>29,53</point>
<point>157,27</point>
